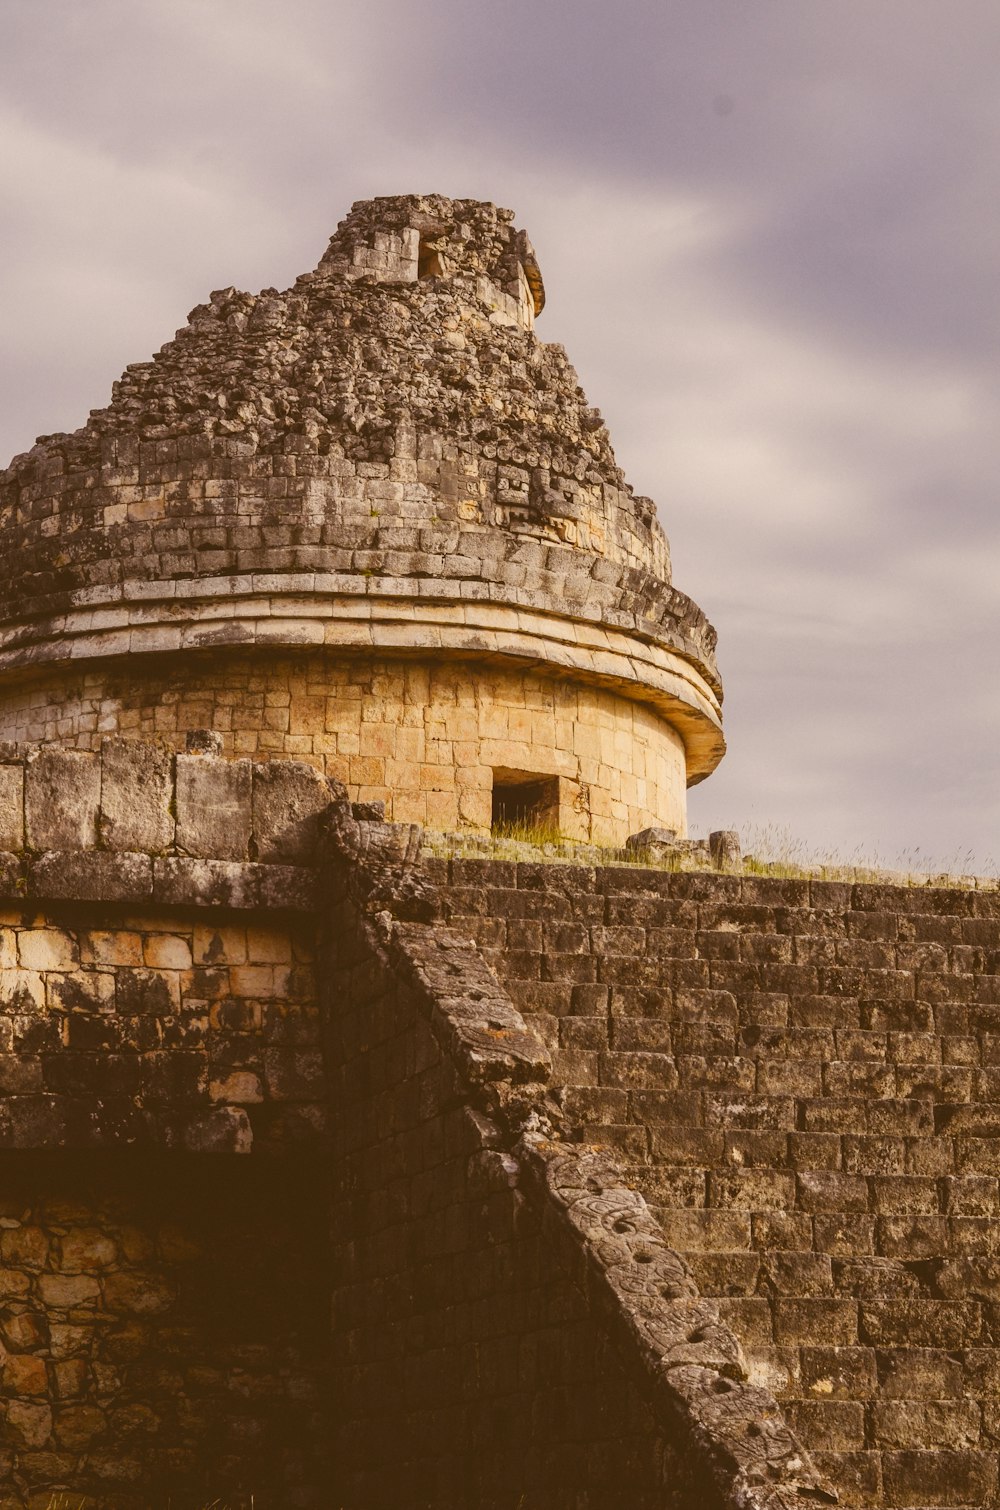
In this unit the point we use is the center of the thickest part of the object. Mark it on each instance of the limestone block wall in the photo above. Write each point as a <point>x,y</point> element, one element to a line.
<point>156,984</point>
<point>158,1011</point>
<point>176,1029</point>
<point>425,737</point>
<point>802,1078</point>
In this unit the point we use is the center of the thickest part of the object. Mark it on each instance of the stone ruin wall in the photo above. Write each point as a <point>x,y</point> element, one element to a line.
<point>469,1371</point>
<point>158,1331</point>
<point>802,1079</point>
<point>512,1328</point>
<point>184,1110</point>
<point>158,1006</point>
<point>670,1188</point>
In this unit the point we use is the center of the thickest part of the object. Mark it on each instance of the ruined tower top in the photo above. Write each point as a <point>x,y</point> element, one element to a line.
<point>410,237</point>
<point>381,464</point>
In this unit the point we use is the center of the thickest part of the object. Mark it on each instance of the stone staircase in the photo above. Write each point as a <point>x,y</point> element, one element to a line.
<point>803,1079</point>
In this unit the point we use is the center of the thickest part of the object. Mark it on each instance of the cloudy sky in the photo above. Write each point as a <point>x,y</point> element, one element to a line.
<point>770,234</point>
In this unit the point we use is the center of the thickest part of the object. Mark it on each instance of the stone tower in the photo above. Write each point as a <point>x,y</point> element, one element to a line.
<point>371,523</point>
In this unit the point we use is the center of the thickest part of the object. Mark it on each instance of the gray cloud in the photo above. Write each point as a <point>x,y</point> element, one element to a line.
<point>770,235</point>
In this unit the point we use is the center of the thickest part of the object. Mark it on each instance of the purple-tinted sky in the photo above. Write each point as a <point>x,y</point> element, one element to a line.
<point>770,233</point>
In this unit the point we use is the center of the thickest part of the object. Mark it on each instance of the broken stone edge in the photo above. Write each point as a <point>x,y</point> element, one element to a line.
<point>638,1289</point>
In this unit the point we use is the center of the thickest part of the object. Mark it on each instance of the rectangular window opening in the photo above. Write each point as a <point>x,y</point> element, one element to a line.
<point>524,800</point>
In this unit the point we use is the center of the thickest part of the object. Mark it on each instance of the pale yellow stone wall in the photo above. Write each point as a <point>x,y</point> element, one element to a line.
<point>424,738</point>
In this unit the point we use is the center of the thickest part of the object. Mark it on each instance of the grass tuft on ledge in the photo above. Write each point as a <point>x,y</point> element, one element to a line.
<point>768,850</point>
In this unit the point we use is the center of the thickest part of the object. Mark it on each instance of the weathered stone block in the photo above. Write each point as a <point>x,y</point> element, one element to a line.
<point>142,992</point>
<point>78,1426</point>
<point>11,807</point>
<point>20,1075</point>
<point>222,1129</point>
<point>829,1190</point>
<point>27,1247</point>
<point>66,1292</point>
<point>90,876</point>
<point>829,1426</point>
<point>141,1294</point>
<point>29,1424</point>
<point>214,807</point>
<point>62,798</point>
<point>652,844</point>
<point>136,796</point>
<point>724,847</point>
<point>11,874</point>
<point>168,951</point>
<point>921,1323</point>
<point>838,1373</point>
<point>288,799</point>
<point>293,1074</point>
<point>179,881</point>
<point>752,1189</point>
<point>86,1249</point>
<point>816,1321</point>
<point>855,1477</point>
<point>47,949</point>
<point>939,1477</point>
<point>922,1424</point>
<point>802,1275</point>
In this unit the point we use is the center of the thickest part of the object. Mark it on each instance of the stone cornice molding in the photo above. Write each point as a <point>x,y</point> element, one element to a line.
<point>391,616</point>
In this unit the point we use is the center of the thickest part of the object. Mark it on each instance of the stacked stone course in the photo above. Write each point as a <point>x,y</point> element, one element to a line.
<point>424,739</point>
<point>800,1077</point>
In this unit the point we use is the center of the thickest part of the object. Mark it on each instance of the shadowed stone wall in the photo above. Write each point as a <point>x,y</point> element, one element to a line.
<point>158,1332</point>
<point>511,1327</point>
<point>468,1369</point>
<point>163,1304</point>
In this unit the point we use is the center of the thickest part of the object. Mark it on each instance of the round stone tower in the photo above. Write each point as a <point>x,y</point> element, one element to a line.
<point>370,522</point>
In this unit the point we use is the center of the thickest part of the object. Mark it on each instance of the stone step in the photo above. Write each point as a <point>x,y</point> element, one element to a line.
<point>946,1479</point>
